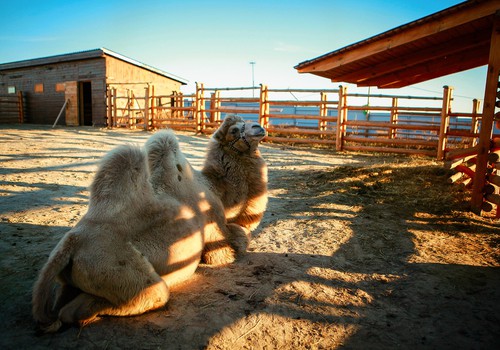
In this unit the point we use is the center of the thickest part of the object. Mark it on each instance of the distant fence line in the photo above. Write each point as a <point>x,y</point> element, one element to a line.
<point>388,123</point>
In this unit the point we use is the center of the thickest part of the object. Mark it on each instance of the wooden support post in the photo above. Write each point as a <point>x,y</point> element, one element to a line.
<point>264,107</point>
<point>60,113</point>
<point>20,106</point>
<point>474,126</point>
<point>445,121</point>
<point>394,118</point>
<point>486,131</point>
<point>341,118</point>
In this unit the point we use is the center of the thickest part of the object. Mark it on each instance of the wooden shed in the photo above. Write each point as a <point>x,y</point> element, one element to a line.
<point>78,82</point>
<point>461,37</point>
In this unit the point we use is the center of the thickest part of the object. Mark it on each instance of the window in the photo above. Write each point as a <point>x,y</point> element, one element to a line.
<point>11,90</point>
<point>60,87</point>
<point>39,88</point>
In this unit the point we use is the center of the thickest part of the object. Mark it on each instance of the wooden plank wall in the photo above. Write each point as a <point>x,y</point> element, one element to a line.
<point>129,85</point>
<point>43,107</point>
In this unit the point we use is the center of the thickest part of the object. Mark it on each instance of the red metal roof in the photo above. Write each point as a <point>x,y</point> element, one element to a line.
<point>446,42</point>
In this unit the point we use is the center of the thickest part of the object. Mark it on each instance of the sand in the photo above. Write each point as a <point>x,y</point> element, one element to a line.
<point>355,251</point>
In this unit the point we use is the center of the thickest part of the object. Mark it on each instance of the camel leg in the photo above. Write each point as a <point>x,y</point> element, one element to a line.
<point>223,247</point>
<point>65,294</point>
<point>131,292</point>
<point>218,253</point>
<point>86,307</point>
<point>239,238</point>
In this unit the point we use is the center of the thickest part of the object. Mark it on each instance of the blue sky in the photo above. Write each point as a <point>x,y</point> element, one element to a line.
<point>213,41</point>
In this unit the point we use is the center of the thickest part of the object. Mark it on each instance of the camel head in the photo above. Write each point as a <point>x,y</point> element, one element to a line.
<point>239,135</point>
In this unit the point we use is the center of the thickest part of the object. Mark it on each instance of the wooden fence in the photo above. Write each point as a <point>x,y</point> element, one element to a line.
<point>354,122</point>
<point>12,108</point>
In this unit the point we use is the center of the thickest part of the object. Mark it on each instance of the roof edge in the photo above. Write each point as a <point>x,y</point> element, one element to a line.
<point>87,54</point>
<point>444,12</point>
<point>108,52</point>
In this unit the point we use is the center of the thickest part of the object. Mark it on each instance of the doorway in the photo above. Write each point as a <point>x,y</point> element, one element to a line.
<point>85,92</point>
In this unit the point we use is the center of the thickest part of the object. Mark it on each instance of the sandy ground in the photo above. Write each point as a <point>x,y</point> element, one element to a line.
<point>354,252</point>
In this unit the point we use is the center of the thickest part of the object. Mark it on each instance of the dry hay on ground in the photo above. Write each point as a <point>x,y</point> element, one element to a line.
<point>355,251</point>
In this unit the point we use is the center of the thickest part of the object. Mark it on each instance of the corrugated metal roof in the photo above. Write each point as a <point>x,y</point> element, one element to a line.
<point>83,55</point>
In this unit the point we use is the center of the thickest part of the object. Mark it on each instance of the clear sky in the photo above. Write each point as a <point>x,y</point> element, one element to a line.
<point>213,42</point>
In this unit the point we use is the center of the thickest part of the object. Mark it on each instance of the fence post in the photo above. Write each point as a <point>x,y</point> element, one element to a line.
<point>474,126</point>
<point>215,103</point>
<point>179,102</point>
<point>445,121</point>
<point>212,106</point>
<point>130,99</point>
<point>341,118</point>
<point>109,110</point>
<point>264,106</point>
<point>152,107</point>
<point>115,111</point>
<point>175,103</point>
<point>323,113</point>
<point>200,125</point>
<point>146,108</point>
<point>394,117</point>
<point>20,105</point>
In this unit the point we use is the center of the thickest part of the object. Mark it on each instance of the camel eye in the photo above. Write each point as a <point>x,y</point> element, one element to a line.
<point>234,131</point>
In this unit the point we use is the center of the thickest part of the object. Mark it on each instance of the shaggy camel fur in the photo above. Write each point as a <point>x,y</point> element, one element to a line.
<point>132,244</point>
<point>232,184</point>
<point>236,171</point>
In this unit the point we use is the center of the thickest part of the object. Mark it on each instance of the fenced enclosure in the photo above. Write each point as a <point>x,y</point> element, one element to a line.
<point>354,122</point>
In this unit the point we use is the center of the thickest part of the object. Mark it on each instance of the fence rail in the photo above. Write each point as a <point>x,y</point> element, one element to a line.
<point>389,123</point>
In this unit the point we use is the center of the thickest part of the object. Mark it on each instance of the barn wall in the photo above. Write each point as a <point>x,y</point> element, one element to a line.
<point>123,75</point>
<point>60,79</point>
<point>43,107</point>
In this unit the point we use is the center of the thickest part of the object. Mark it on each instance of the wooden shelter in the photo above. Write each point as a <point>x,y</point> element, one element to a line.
<point>458,38</point>
<point>77,84</point>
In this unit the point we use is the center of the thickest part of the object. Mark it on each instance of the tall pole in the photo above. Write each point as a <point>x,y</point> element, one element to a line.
<point>253,79</point>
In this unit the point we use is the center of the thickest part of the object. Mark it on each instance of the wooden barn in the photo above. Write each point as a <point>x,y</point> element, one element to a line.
<point>74,86</point>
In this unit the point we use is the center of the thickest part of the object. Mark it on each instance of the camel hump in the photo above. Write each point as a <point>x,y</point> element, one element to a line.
<point>122,167</point>
<point>162,145</point>
<point>167,164</point>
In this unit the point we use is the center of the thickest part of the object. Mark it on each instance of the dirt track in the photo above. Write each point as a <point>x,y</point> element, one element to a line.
<point>354,252</point>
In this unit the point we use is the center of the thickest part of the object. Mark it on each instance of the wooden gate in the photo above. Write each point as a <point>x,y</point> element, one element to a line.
<point>12,108</point>
<point>130,109</point>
